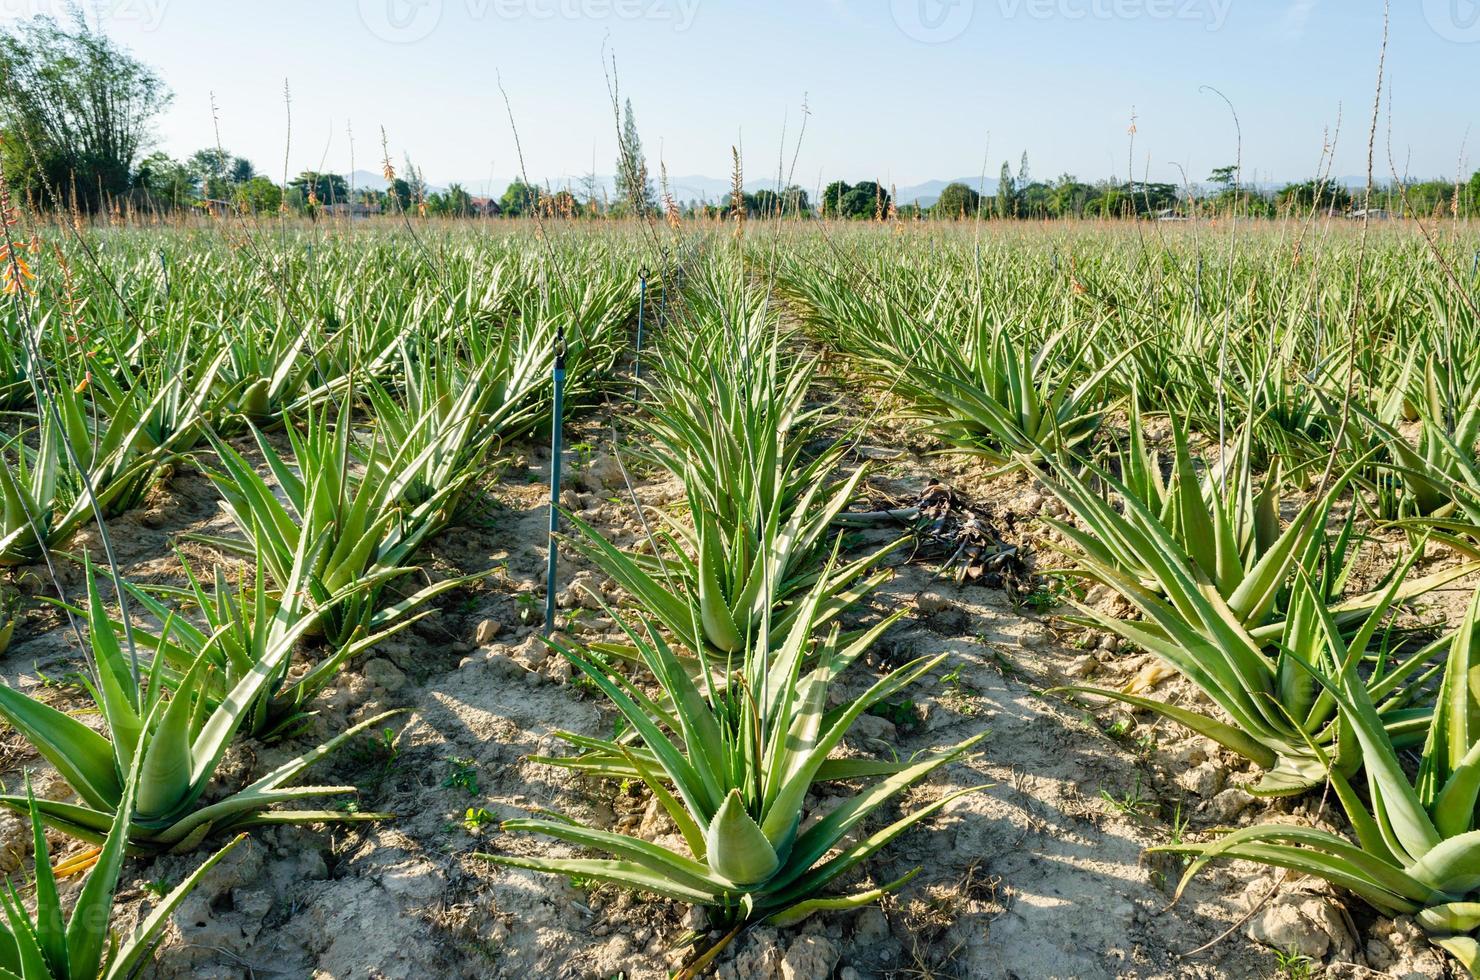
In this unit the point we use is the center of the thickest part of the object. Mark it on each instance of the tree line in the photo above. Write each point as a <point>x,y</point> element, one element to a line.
<point>76,112</point>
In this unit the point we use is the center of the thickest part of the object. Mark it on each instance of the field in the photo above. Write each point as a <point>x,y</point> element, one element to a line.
<point>932,599</point>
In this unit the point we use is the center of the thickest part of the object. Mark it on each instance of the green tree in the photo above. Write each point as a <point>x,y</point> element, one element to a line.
<point>957,202</point>
<point>327,189</point>
<point>1224,177</point>
<point>399,195</point>
<point>76,110</point>
<point>241,170</point>
<point>1313,195</point>
<point>520,199</point>
<point>1068,198</point>
<point>166,182</point>
<point>634,184</point>
<point>459,201</point>
<point>218,172</point>
<point>259,195</point>
<point>1006,192</point>
<point>865,200</point>
<point>832,198</point>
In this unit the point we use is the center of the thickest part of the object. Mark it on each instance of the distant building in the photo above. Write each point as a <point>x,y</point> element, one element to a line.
<point>485,207</point>
<point>1373,214</point>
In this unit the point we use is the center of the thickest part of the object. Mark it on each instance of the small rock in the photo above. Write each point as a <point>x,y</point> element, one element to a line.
<point>874,728</point>
<point>1229,804</point>
<point>932,604</point>
<point>487,631</point>
<point>532,653</point>
<point>1054,507</point>
<point>871,926</point>
<point>809,958</point>
<point>1186,754</point>
<point>602,473</point>
<point>1380,955</point>
<point>1205,780</point>
<point>15,843</point>
<point>384,675</point>
<point>1310,925</point>
<point>1082,667</point>
<point>758,959</point>
<point>584,592</point>
<point>502,667</point>
<point>559,670</point>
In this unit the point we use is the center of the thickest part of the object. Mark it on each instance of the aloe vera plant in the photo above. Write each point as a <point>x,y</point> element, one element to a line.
<point>177,739</point>
<point>252,623</point>
<point>177,393</point>
<point>1216,521</point>
<point>1417,847</point>
<point>9,603</point>
<point>731,759</point>
<point>728,415</point>
<point>1279,720</point>
<point>42,505</point>
<point>49,945</point>
<point>113,451</point>
<point>370,537</point>
<point>1010,400</point>
<point>1205,529</point>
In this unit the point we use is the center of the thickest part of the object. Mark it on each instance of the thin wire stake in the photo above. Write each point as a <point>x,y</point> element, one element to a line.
<point>641,309</point>
<point>556,450</point>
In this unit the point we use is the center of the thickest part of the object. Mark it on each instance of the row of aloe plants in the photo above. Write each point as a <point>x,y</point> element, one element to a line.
<point>332,530</point>
<point>742,621</point>
<point>1236,583</point>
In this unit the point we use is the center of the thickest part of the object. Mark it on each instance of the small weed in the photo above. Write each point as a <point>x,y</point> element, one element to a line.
<point>1179,826</point>
<point>1132,803</point>
<point>462,774</point>
<point>1052,591</point>
<point>900,714</point>
<point>1294,965</point>
<point>476,819</point>
<point>581,453</point>
<point>530,608</point>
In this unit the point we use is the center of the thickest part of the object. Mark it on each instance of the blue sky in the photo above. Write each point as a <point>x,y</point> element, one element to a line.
<point>902,90</point>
